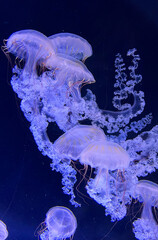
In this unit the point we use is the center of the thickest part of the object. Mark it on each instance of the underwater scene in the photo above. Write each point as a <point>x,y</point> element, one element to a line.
<point>79,122</point>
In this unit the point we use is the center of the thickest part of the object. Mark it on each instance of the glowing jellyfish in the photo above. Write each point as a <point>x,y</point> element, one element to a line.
<point>74,141</point>
<point>72,73</point>
<point>107,188</point>
<point>105,155</point>
<point>146,227</point>
<point>60,223</point>
<point>3,231</point>
<point>31,46</point>
<point>71,45</point>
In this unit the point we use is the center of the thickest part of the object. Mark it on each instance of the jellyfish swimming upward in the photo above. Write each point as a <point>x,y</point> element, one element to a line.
<point>49,85</point>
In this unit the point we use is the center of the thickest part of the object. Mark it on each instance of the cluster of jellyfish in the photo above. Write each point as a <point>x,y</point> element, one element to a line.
<point>49,86</point>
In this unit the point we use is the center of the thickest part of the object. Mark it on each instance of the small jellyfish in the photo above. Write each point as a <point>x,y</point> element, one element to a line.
<point>60,223</point>
<point>146,227</point>
<point>71,45</point>
<point>3,231</point>
<point>75,140</point>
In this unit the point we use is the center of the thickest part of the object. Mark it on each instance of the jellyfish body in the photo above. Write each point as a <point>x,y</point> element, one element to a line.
<point>74,141</point>
<point>60,222</point>
<point>108,190</point>
<point>3,231</point>
<point>146,227</point>
<point>105,155</point>
<point>71,45</point>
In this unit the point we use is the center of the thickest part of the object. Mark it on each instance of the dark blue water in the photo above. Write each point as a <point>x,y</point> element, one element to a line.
<point>28,187</point>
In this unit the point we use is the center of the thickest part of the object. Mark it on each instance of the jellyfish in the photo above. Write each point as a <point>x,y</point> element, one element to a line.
<point>3,231</point>
<point>71,74</point>
<point>71,45</point>
<point>109,185</point>
<point>105,155</point>
<point>74,141</point>
<point>146,227</point>
<point>60,224</point>
<point>72,51</point>
<point>31,46</point>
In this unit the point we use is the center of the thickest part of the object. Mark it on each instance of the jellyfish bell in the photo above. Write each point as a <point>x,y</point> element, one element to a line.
<point>75,140</point>
<point>105,155</point>
<point>60,223</point>
<point>31,46</point>
<point>71,45</point>
<point>147,190</point>
<point>3,231</point>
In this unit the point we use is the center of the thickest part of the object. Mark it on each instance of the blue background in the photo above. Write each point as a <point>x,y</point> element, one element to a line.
<point>28,187</point>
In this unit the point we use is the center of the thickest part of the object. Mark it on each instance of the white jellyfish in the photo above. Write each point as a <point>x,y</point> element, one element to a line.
<point>60,224</point>
<point>31,46</point>
<point>74,141</point>
<point>71,45</point>
<point>146,227</point>
<point>108,187</point>
<point>105,155</point>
